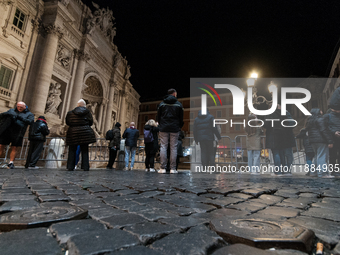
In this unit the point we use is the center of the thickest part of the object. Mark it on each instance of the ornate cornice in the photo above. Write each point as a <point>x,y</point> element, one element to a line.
<point>5,3</point>
<point>36,23</point>
<point>53,29</point>
<point>81,55</point>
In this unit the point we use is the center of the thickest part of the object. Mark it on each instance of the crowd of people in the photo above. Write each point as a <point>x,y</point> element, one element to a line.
<point>321,138</point>
<point>14,123</point>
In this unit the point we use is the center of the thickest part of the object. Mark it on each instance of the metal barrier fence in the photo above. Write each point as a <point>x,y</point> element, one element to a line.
<point>56,150</point>
<point>229,151</point>
<point>266,155</point>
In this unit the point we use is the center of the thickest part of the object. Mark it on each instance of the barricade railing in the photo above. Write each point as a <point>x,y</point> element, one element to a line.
<point>55,149</point>
<point>228,151</point>
<point>240,147</point>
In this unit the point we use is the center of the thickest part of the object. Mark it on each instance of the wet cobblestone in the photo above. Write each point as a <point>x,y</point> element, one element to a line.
<point>137,212</point>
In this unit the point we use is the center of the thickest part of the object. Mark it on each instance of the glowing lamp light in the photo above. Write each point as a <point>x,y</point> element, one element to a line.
<point>254,75</point>
<point>271,87</point>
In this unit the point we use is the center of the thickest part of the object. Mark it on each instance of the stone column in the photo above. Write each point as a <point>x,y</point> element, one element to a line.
<point>78,80</point>
<point>43,79</point>
<point>123,112</point>
<point>109,107</point>
<point>100,116</point>
<point>28,60</point>
<point>68,96</point>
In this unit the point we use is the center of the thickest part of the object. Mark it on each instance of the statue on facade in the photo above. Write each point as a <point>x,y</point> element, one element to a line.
<point>115,96</point>
<point>92,107</point>
<point>116,59</point>
<point>104,20</point>
<point>63,57</point>
<point>127,73</point>
<point>53,99</point>
<point>113,119</point>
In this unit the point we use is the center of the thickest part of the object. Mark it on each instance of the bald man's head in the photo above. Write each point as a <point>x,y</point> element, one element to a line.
<point>21,106</point>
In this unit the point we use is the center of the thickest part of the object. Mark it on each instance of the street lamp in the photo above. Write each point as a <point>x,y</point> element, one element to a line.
<point>252,91</point>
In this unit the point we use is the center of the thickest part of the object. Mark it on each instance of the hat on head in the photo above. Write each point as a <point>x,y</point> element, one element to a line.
<point>42,117</point>
<point>117,124</point>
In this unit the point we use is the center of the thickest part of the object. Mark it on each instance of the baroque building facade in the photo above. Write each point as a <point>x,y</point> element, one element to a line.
<point>52,53</point>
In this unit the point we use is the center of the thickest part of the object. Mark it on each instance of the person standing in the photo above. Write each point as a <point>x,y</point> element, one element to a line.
<point>253,142</point>
<point>37,136</point>
<point>333,119</point>
<point>288,144</point>
<point>321,140</point>
<point>130,135</point>
<point>170,119</point>
<point>204,132</point>
<point>13,126</point>
<point>114,145</point>
<point>275,139</point>
<point>80,133</point>
<point>151,144</point>
<point>308,148</point>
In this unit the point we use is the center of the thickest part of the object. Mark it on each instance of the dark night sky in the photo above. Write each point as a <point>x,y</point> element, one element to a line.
<point>168,41</point>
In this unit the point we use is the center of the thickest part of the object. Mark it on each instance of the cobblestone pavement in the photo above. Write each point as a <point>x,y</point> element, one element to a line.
<point>135,212</point>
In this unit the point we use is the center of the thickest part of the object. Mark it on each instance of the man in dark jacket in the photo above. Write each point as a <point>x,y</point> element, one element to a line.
<point>288,143</point>
<point>204,134</point>
<point>275,136</point>
<point>13,126</point>
<point>80,133</point>
<point>114,145</point>
<point>130,135</point>
<point>170,119</point>
<point>37,136</point>
<point>308,148</point>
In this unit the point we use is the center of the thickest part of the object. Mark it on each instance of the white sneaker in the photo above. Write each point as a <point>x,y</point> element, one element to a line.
<point>146,169</point>
<point>33,167</point>
<point>126,169</point>
<point>162,171</point>
<point>328,176</point>
<point>152,170</point>
<point>173,172</point>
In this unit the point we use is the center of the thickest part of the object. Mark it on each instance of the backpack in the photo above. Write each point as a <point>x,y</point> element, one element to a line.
<point>109,135</point>
<point>148,136</point>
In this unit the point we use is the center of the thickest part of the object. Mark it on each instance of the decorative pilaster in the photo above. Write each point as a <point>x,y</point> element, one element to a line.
<point>109,106</point>
<point>101,106</point>
<point>38,102</point>
<point>122,113</point>
<point>79,76</point>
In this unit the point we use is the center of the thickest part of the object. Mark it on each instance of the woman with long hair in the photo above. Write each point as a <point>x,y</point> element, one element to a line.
<point>320,138</point>
<point>151,144</point>
<point>253,141</point>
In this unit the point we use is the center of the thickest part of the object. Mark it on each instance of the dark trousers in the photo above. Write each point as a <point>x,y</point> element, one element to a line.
<point>71,160</point>
<point>334,153</point>
<point>149,155</point>
<point>112,157</point>
<point>207,153</point>
<point>34,152</point>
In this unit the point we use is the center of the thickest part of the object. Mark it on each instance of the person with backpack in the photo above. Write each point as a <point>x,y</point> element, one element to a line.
<point>151,144</point>
<point>130,135</point>
<point>204,132</point>
<point>37,136</point>
<point>321,140</point>
<point>114,136</point>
